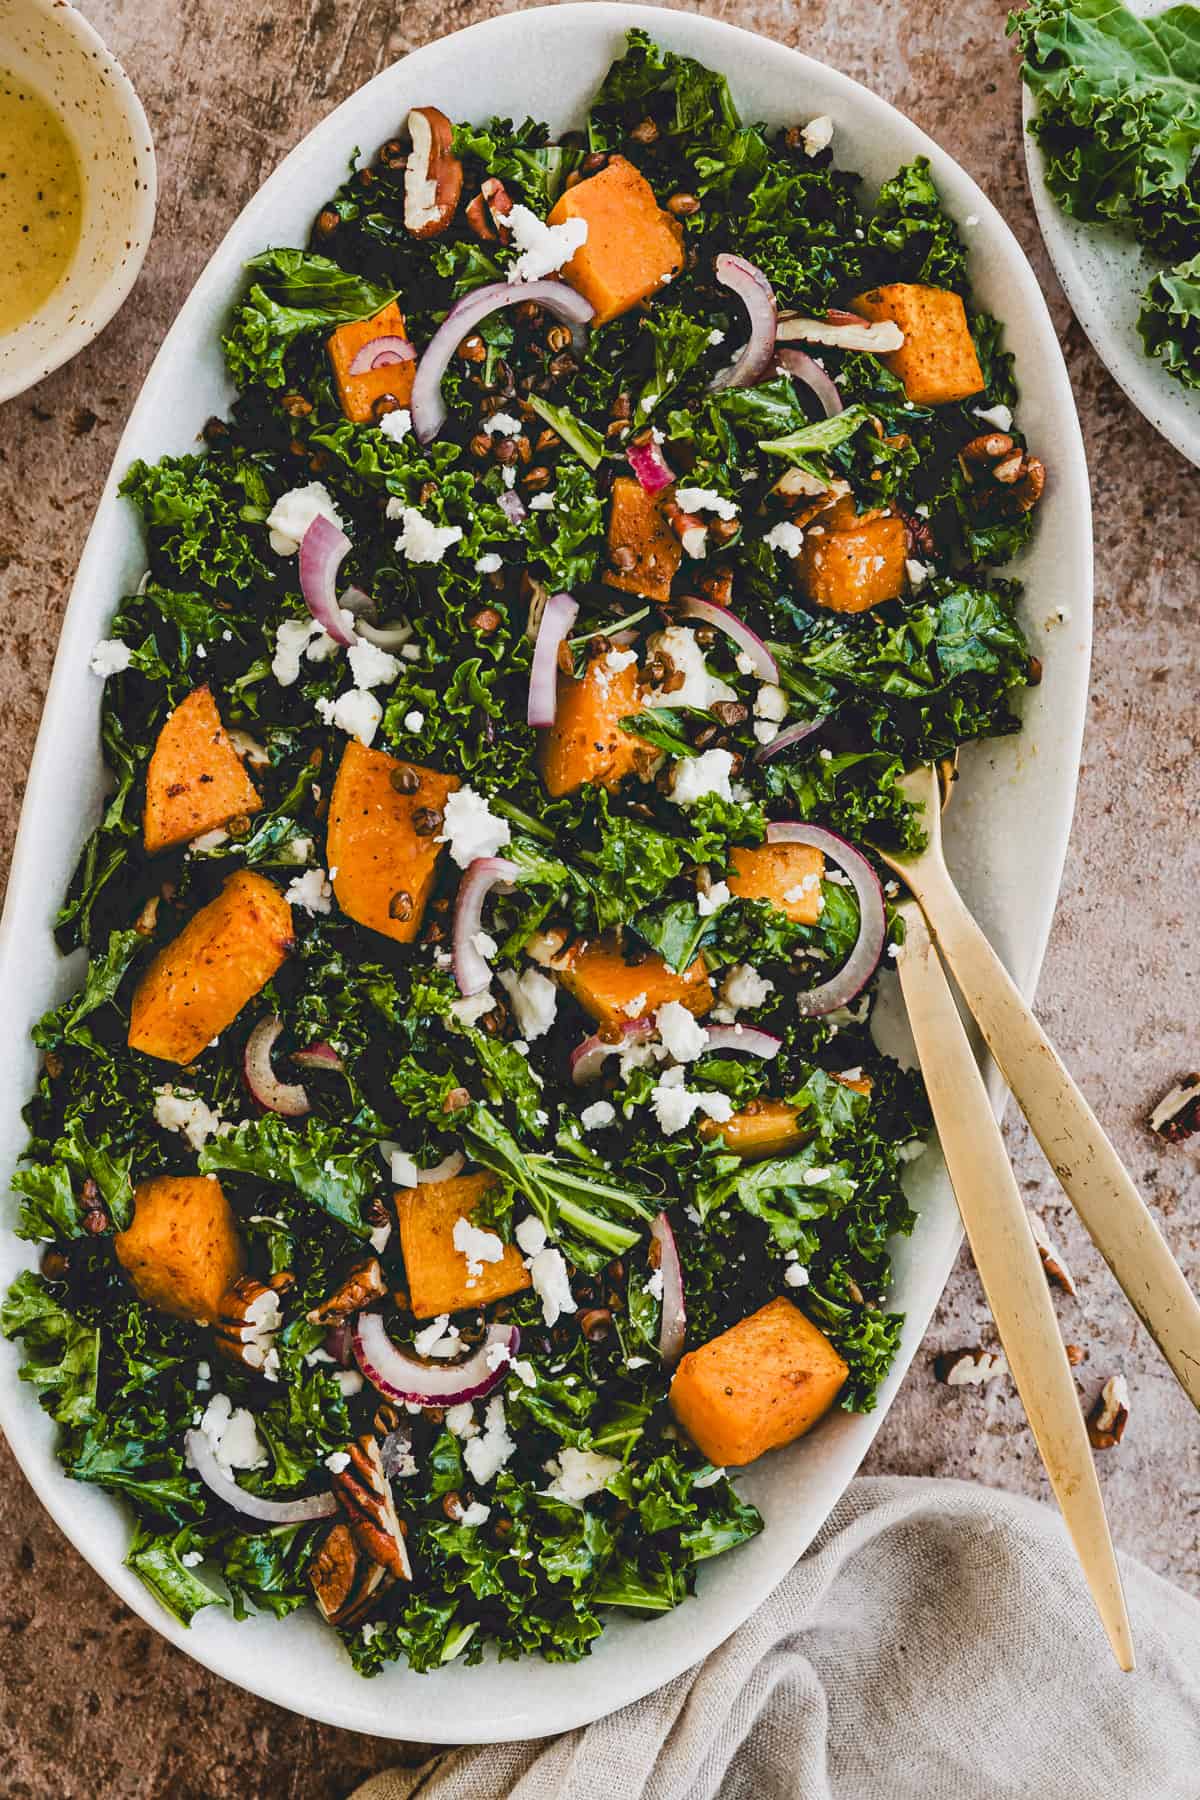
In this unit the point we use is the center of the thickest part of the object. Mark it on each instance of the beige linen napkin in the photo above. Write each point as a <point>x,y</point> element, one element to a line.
<point>935,1643</point>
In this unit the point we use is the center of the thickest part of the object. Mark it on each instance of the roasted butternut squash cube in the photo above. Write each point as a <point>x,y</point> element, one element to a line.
<point>381,844</point>
<point>643,550</point>
<point>607,987</point>
<point>632,249</point>
<point>788,875</point>
<point>761,1128</point>
<point>586,742</point>
<point>364,395</point>
<point>199,983</point>
<point>182,1250</point>
<point>196,781</point>
<point>762,1383</point>
<point>850,561</point>
<point>440,1279</point>
<point>937,361</point>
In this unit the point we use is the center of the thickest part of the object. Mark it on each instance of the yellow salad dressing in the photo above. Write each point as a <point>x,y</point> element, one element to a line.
<point>41,201</point>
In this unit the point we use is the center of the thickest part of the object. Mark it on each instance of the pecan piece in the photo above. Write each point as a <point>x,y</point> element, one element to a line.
<point>365,1495</point>
<point>1177,1115</point>
<point>248,1320</point>
<point>362,1282</point>
<point>970,1368</point>
<point>1110,1415</point>
<point>995,460</point>
<point>433,175</point>
<point>346,1584</point>
<point>1052,1257</point>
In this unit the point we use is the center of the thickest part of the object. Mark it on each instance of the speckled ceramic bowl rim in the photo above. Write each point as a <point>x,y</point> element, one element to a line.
<point>1006,836</point>
<point>111,294</point>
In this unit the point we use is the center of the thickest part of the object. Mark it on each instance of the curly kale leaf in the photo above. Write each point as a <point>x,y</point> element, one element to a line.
<point>1170,321</point>
<point>294,293</point>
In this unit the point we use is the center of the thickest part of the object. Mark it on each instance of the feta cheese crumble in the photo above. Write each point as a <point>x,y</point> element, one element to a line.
<point>233,1436</point>
<point>502,424</point>
<point>682,1035</point>
<point>312,890</point>
<point>542,249</point>
<point>477,1246</point>
<point>396,424</point>
<point>471,829</point>
<point>178,1110</point>
<point>817,135</point>
<point>743,986</point>
<point>675,1105</point>
<point>370,666</point>
<point>110,657</point>
<point>578,1474</point>
<point>354,712</point>
<point>420,540</point>
<point>294,512</point>
<point>683,651</point>
<point>696,499</point>
<point>596,1116</point>
<point>717,896</point>
<point>486,1453</point>
<point>534,1001</point>
<point>695,776</point>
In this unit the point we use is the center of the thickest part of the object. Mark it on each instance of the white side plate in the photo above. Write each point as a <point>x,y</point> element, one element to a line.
<point>1007,834</point>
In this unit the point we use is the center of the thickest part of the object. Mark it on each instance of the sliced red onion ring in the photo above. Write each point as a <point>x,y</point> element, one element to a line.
<point>471,970</point>
<point>319,1056</point>
<point>842,331</point>
<point>558,615</point>
<point>863,960</point>
<point>795,734</point>
<point>446,1170</point>
<point>322,549</point>
<point>512,506</point>
<point>757,296</point>
<point>588,1058</point>
<point>400,1376</point>
<point>650,465</point>
<point>809,371</point>
<point>203,1459</point>
<point>288,1099</point>
<point>747,1038</point>
<point>377,352</point>
<point>426,403</point>
<point>673,1325</point>
<point>747,641</point>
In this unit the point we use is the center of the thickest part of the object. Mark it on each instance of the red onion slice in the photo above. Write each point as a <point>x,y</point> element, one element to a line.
<point>842,331</point>
<point>322,549</point>
<point>288,1099</point>
<point>512,506</point>
<point>426,403</point>
<point>747,641</point>
<point>400,1376</point>
<point>795,734</point>
<point>378,352</point>
<point>446,1170</point>
<point>747,1038</point>
<point>809,371</point>
<point>650,465</point>
<point>588,1058</point>
<point>338,1342</point>
<point>384,637</point>
<point>558,615</point>
<point>673,1326</point>
<point>319,1056</point>
<point>203,1459</point>
<point>863,960</point>
<point>757,296</point>
<point>471,970</point>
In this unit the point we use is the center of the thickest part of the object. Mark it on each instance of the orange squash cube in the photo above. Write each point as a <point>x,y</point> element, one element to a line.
<point>850,561</point>
<point>788,875</point>
<point>760,1384</point>
<point>640,537</point>
<point>182,1250</point>
<point>586,742</point>
<point>439,1280</point>
<point>632,249</point>
<point>363,393</point>
<point>761,1128</point>
<point>937,361</point>
<point>381,866</point>
<point>606,986</point>
<point>199,983</point>
<point>195,782</point>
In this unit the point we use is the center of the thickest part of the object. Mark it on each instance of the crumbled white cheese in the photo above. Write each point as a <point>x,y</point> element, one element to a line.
<point>476,1514</point>
<point>542,503</point>
<point>192,1559</point>
<point>534,1001</point>
<point>109,657</point>
<point>578,1474</point>
<point>817,135</point>
<point>502,424</point>
<point>370,666</point>
<point>696,499</point>
<point>312,891</point>
<point>654,1286</point>
<point>766,730</point>
<point>680,1032</point>
<point>472,1008</point>
<point>337,1460</point>
<point>233,1436</point>
<point>717,896</point>
<point>179,1110</point>
<point>460,1420</point>
<point>403,1169</point>
<point>551,1283</point>
<point>486,1454</point>
<point>430,1334</point>
<point>999,416</point>
<point>531,1235</point>
<point>674,1106</point>
<point>633,1009</point>
<point>292,638</point>
<point>743,986</point>
<point>484,944</point>
<point>470,828</point>
<point>477,1246</point>
<point>917,573</point>
<point>596,1116</point>
<point>489,564</point>
<point>695,541</point>
<point>421,541</point>
<point>294,512</point>
<point>396,424</point>
<point>354,712</point>
<point>909,1152</point>
<point>524,1370</point>
<point>698,688</point>
<point>542,249</point>
<point>771,702</point>
<point>795,1275</point>
<point>414,721</point>
<point>695,776</point>
<point>716,336</point>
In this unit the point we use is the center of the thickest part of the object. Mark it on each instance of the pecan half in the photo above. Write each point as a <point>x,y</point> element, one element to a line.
<point>995,460</point>
<point>1110,1415</point>
<point>1052,1257</point>
<point>433,175</point>
<point>365,1495</point>
<point>1177,1115</point>
<point>248,1320</point>
<point>498,200</point>
<point>970,1368</point>
<point>346,1584</point>
<point>362,1282</point>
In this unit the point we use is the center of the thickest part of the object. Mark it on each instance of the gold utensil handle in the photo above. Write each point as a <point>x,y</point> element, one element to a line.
<point>1010,1269</point>
<point>1095,1180</point>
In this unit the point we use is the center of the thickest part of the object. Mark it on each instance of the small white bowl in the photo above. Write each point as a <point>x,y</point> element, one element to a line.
<point>57,51</point>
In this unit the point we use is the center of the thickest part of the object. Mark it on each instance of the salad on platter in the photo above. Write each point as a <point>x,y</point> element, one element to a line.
<point>467,1148</point>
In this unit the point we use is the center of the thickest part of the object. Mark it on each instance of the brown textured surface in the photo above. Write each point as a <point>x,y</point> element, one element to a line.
<point>94,1702</point>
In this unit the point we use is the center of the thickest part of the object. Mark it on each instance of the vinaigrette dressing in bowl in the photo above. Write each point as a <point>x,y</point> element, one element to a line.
<point>41,200</point>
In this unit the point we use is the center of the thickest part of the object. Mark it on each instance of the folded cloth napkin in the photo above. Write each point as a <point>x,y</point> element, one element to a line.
<point>936,1643</point>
